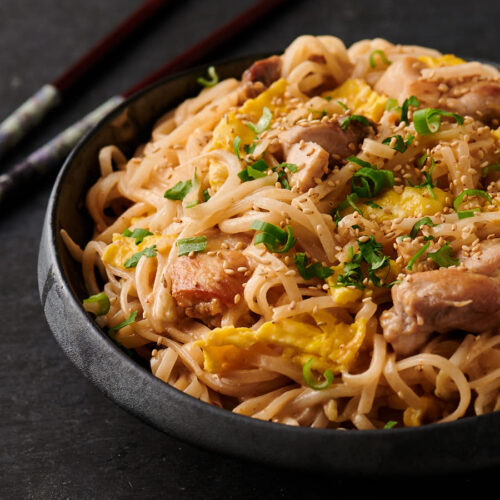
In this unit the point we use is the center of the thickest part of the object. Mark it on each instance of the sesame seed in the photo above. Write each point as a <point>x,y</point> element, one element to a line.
<point>237,298</point>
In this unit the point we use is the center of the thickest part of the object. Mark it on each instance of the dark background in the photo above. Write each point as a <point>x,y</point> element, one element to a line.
<point>59,436</point>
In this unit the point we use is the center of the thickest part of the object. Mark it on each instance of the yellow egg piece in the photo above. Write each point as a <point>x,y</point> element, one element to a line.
<point>360,98</point>
<point>231,126</point>
<point>496,133</point>
<point>123,247</point>
<point>412,202</point>
<point>444,60</point>
<point>330,343</point>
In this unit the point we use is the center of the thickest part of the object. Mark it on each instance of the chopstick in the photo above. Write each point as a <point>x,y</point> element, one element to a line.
<point>44,160</point>
<point>50,95</point>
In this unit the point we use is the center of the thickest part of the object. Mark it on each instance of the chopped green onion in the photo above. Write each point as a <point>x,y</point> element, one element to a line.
<point>214,78</point>
<point>443,256</point>
<point>368,182</point>
<point>360,162</point>
<point>382,56</point>
<point>97,304</point>
<point>134,260</point>
<point>392,104</point>
<point>127,322</point>
<point>272,236</point>
<point>417,256</point>
<point>371,253</point>
<point>249,149</point>
<point>348,119</point>
<point>491,168</point>
<point>350,200</point>
<point>400,144</point>
<point>254,171</point>
<point>470,192</point>
<point>263,123</point>
<point>236,146</point>
<point>179,191</point>
<point>372,204</point>
<point>206,195</point>
<point>290,166</point>
<point>187,245</point>
<point>390,424</point>
<point>411,101</point>
<point>310,379</point>
<point>316,270</point>
<point>328,98</point>
<point>425,221</point>
<point>191,204</point>
<point>428,120</point>
<point>342,105</point>
<point>429,184</point>
<point>422,160</point>
<point>139,234</point>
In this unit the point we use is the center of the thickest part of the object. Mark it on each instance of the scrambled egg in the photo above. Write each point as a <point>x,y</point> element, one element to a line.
<point>123,247</point>
<point>412,202</point>
<point>496,133</point>
<point>360,98</point>
<point>231,127</point>
<point>332,344</point>
<point>444,60</point>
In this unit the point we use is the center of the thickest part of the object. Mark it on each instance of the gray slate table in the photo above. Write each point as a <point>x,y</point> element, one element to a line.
<point>59,436</point>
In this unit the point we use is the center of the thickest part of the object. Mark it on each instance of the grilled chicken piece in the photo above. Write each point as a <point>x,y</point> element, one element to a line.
<point>312,162</point>
<point>439,301</point>
<point>329,135</point>
<point>485,261</point>
<point>479,99</point>
<point>397,80</point>
<point>266,71</point>
<point>206,285</point>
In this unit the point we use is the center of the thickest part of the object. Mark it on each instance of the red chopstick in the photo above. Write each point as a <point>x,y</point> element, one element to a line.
<point>50,95</point>
<point>49,157</point>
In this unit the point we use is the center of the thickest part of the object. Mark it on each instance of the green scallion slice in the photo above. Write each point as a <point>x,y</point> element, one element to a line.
<point>214,78</point>
<point>97,304</point>
<point>311,381</point>
<point>428,120</point>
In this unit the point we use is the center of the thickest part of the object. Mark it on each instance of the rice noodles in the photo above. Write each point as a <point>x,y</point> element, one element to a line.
<point>240,323</point>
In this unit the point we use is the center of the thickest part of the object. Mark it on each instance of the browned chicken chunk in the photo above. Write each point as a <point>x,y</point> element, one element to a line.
<point>479,99</point>
<point>329,135</point>
<point>265,71</point>
<point>311,160</point>
<point>398,79</point>
<point>486,260</point>
<point>439,301</point>
<point>205,285</point>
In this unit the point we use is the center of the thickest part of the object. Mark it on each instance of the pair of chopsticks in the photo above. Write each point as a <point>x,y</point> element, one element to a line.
<point>49,157</point>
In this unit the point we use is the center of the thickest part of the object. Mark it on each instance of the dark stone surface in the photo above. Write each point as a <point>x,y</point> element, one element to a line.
<point>59,436</point>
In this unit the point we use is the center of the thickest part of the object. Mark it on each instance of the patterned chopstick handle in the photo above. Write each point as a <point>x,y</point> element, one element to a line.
<point>50,156</point>
<point>26,116</point>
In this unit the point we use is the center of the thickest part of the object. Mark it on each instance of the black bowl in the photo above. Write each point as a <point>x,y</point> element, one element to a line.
<point>468,445</point>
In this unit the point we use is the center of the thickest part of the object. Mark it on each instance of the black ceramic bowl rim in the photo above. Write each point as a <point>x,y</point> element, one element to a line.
<point>467,445</point>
